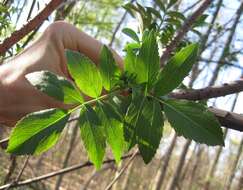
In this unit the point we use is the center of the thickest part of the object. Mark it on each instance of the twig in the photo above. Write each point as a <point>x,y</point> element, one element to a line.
<point>121,171</point>
<point>184,29</point>
<point>191,7</point>
<point>11,168</point>
<point>31,25</point>
<point>4,143</point>
<point>8,186</point>
<point>118,26</point>
<point>96,173</point>
<point>222,62</point>
<point>60,172</point>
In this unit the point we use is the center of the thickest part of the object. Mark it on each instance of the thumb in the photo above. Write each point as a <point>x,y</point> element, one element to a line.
<point>72,38</point>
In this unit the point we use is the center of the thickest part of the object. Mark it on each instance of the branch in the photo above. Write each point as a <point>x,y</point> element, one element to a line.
<point>222,62</point>
<point>109,187</point>
<point>12,184</point>
<point>227,119</point>
<point>184,29</point>
<point>31,25</point>
<point>118,26</point>
<point>209,92</point>
<point>60,172</point>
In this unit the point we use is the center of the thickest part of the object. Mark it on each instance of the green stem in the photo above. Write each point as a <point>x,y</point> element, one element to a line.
<point>94,100</point>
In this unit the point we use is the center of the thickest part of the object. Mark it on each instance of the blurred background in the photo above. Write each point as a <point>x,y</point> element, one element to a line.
<point>179,163</point>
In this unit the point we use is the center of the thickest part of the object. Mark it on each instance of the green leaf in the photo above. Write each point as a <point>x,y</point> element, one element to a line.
<point>193,121</point>
<point>85,74</point>
<point>171,3</point>
<point>201,21</point>
<point>113,128</point>
<point>160,4</point>
<point>144,125</point>
<point>176,70</point>
<point>55,86</point>
<point>176,15</point>
<point>150,129</point>
<point>121,104</point>
<point>132,116</point>
<point>37,132</point>
<point>129,32</point>
<point>130,8</point>
<point>146,64</point>
<point>130,61</point>
<point>174,21</point>
<point>154,12</point>
<point>108,69</point>
<point>92,135</point>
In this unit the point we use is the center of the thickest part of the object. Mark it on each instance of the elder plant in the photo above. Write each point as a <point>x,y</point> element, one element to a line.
<point>134,104</point>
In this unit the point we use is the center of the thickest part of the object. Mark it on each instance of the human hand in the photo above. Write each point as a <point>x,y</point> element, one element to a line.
<point>18,97</point>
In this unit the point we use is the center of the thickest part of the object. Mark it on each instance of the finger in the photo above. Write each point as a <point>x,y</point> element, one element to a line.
<point>74,39</point>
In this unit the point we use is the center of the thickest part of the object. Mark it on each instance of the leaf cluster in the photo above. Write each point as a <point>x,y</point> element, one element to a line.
<point>119,108</point>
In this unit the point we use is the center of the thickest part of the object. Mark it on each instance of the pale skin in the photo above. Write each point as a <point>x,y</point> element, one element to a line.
<point>17,96</point>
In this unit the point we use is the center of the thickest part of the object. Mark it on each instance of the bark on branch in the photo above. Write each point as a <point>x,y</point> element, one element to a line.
<point>60,172</point>
<point>31,25</point>
<point>184,29</point>
<point>209,92</point>
<point>226,118</point>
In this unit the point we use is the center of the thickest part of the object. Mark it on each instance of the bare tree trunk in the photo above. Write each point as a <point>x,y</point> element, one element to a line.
<point>114,187</point>
<point>118,26</point>
<point>189,163</point>
<point>235,162</point>
<point>210,174</point>
<point>204,40</point>
<point>210,27</point>
<point>174,182</point>
<point>125,183</point>
<point>11,169</point>
<point>95,174</point>
<point>68,154</point>
<point>226,49</point>
<point>240,182</point>
<point>211,171</point>
<point>195,166</point>
<point>159,178</point>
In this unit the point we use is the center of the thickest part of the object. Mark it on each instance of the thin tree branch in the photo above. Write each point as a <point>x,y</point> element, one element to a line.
<point>60,172</point>
<point>19,175</point>
<point>227,119</point>
<point>109,186</point>
<point>31,25</point>
<point>118,26</point>
<point>184,29</point>
<point>11,168</point>
<point>222,62</point>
